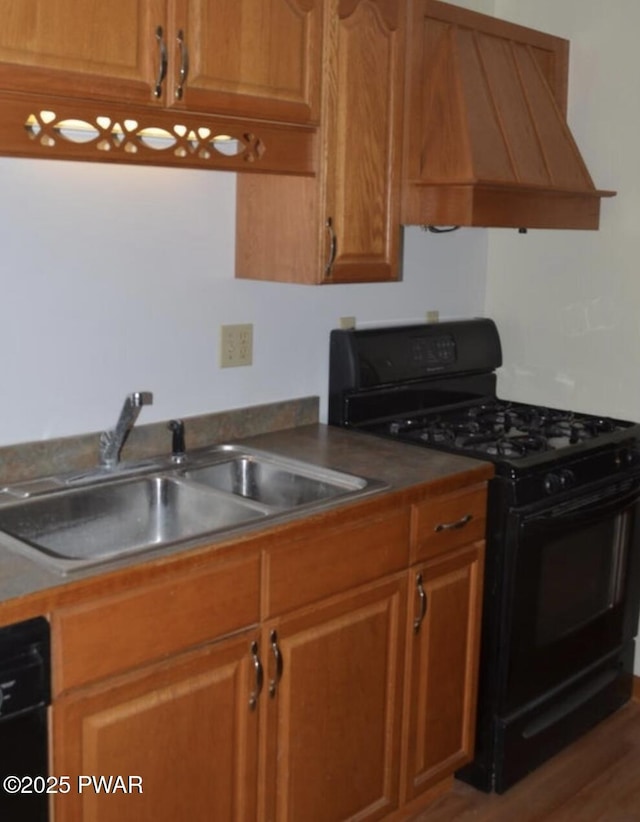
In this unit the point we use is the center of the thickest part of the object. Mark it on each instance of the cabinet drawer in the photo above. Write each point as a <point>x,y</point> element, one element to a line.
<point>122,632</point>
<point>329,561</point>
<point>444,522</point>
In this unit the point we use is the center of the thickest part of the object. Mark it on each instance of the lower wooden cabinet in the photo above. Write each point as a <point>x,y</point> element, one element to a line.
<point>332,717</point>
<point>184,731</point>
<point>343,703</point>
<point>442,667</point>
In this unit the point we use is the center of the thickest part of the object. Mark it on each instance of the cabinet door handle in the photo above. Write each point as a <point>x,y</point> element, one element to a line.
<point>184,65</point>
<point>162,68</point>
<point>259,673</point>
<point>422,594</point>
<point>333,247</point>
<point>277,654</point>
<point>452,526</point>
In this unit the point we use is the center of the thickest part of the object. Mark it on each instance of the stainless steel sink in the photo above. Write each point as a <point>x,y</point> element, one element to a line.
<point>109,520</point>
<point>277,483</point>
<point>81,520</point>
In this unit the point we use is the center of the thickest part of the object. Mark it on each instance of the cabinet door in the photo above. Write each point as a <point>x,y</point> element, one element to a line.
<point>82,48</point>
<point>442,667</point>
<point>331,742</point>
<point>255,58</point>
<point>344,224</point>
<point>363,120</point>
<point>186,729</point>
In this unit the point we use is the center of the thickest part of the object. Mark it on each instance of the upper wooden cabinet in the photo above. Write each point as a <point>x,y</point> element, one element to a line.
<point>344,225</point>
<point>156,81</point>
<point>253,58</point>
<point>486,139</point>
<point>82,48</point>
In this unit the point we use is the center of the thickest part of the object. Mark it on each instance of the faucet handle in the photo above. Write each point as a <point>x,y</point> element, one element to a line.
<point>112,441</point>
<point>140,398</point>
<point>177,442</point>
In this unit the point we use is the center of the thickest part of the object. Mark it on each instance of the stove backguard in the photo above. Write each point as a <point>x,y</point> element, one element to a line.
<point>364,364</point>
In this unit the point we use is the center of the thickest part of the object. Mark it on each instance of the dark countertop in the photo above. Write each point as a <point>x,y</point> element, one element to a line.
<point>397,464</point>
<point>400,466</point>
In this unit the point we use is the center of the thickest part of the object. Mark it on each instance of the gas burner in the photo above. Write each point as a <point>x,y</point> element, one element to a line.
<point>437,435</point>
<point>599,425</point>
<point>501,429</point>
<point>402,426</point>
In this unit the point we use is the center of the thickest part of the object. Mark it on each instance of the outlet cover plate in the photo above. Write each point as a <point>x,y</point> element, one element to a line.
<point>236,345</point>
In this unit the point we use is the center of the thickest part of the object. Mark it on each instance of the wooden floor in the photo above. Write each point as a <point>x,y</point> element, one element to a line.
<point>597,779</point>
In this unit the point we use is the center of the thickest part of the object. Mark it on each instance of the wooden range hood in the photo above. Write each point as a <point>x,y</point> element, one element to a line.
<point>486,137</point>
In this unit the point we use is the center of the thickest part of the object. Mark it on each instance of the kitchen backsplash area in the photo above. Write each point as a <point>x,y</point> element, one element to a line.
<point>63,454</point>
<point>117,279</point>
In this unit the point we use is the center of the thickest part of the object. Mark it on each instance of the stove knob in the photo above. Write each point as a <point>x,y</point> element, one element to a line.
<point>567,478</point>
<point>552,484</point>
<point>625,457</point>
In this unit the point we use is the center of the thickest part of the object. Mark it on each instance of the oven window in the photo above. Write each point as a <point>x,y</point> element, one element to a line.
<point>581,577</point>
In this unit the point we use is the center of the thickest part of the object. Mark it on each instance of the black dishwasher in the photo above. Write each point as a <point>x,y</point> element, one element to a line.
<point>24,696</point>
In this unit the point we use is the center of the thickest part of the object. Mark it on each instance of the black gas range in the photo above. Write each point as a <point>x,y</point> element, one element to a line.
<point>562,579</point>
<point>544,451</point>
<point>435,386</point>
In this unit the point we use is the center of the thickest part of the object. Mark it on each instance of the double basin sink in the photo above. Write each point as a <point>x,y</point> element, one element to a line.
<point>78,521</point>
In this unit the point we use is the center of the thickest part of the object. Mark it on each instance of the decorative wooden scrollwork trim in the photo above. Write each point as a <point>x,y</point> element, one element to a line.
<point>59,128</point>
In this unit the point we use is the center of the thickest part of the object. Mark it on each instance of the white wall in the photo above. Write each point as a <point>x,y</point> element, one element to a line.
<point>117,279</point>
<point>568,303</point>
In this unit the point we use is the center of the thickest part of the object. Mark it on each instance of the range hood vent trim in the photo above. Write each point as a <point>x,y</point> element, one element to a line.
<point>487,142</point>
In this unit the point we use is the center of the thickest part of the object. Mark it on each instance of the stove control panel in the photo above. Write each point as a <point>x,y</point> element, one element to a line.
<point>627,457</point>
<point>433,351</point>
<point>556,481</point>
<point>368,358</point>
<point>567,478</point>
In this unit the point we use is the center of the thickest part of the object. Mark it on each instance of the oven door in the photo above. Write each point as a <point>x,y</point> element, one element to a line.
<point>572,588</point>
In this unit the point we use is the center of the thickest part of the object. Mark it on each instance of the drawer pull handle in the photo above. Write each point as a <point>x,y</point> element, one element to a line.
<point>275,648</point>
<point>422,594</point>
<point>162,68</point>
<point>257,666</point>
<point>453,526</point>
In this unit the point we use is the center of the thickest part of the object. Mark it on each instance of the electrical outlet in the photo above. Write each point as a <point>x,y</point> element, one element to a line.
<point>236,345</point>
<point>433,316</point>
<point>347,322</point>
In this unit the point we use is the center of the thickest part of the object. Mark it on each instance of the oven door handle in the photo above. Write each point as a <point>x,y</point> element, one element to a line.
<point>586,514</point>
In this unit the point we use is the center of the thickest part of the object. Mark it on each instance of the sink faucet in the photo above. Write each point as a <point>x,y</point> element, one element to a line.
<point>111,442</point>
